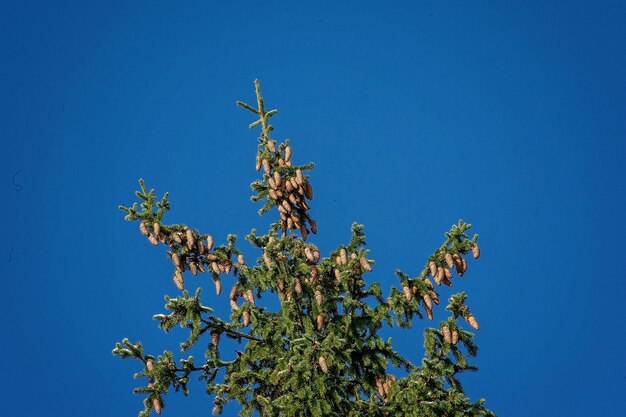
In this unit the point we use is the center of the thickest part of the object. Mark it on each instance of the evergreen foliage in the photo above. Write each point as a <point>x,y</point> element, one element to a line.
<point>320,354</point>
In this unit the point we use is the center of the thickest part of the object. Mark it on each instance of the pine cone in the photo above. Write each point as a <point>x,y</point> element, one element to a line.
<point>464,263</point>
<point>227,266</point>
<point>268,262</point>
<point>250,295</point>
<point>209,242</point>
<point>308,191</point>
<point>320,322</point>
<point>200,246</point>
<point>218,287</point>
<point>476,251</point>
<point>313,226</point>
<point>143,229</point>
<point>179,280</point>
<point>241,259</point>
<point>156,228</point>
<point>210,257</point>
<point>428,302</point>
<point>149,365</point>
<point>289,185</point>
<point>316,255</point>
<point>288,154</point>
<point>191,241</point>
<point>281,285</point>
<point>380,388</point>
<point>297,286</point>
<point>337,275</point>
<point>427,281</point>
<point>323,364</point>
<point>246,318</point>
<point>365,264</point>
<point>433,268</point>
<point>233,305</point>
<point>266,166</point>
<point>435,297</point>
<point>343,254</point>
<point>319,298</point>
<point>177,237</point>
<point>277,179</point>
<point>447,335</point>
<point>309,254</point>
<point>221,266</point>
<point>408,294</point>
<point>314,274</point>
<point>176,260</point>
<point>286,205</point>
<point>215,267</point>
<point>455,337</point>
<point>304,231</point>
<point>271,183</point>
<point>271,145</point>
<point>472,322</point>
<point>429,313</point>
<point>152,239</point>
<point>258,163</point>
<point>449,260</point>
<point>337,260</point>
<point>233,292</point>
<point>215,337</point>
<point>447,273</point>
<point>446,281</point>
<point>156,402</point>
<point>299,177</point>
<point>193,267</point>
<point>293,200</point>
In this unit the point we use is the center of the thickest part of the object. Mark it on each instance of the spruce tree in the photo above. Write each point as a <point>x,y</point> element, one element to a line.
<point>320,353</point>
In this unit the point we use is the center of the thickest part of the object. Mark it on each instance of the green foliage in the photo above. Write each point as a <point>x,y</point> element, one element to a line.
<point>320,353</point>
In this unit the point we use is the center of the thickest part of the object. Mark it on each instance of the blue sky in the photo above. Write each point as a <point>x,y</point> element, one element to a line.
<point>509,116</point>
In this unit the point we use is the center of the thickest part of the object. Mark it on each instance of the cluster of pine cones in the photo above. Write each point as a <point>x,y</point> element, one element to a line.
<point>443,273</point>
<point>289,191</point>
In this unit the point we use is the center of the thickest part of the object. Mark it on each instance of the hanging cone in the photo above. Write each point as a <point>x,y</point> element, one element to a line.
<point>218,287</point>
<point>297,286</point>
<point>447,273</point>
<point>380,388</point>
<point>210,257</point>
<point>279,193</point>
<point>440,274</point>
<point>283,217</point>
<point>319,298</point>
<point>143,229</point>
<point>162,238</point>
<point>215,337</point>
<point>201,267</point>
<point>281,285</point>
<point>300,189</point>
<point>455,337</point>
<point>464,264</point>
<point>271,183</point>
<point>299,177</point>
<point>308,191</point>
<point>323,364</point>
<point>313,224</point>
<point>233,292</point>
<point>407,293</point>
<point>472,322</point>
<point>152,239</point>
<point>227,266</point>
<point>193,267</point>
<point>427,281</point>
<point>365,264</point>
<point>271,145</point>
<point>209,242</point>
<point>277,179</point>
<point>316,255</point>
<point>200,247</point>
<point>266,166</point>
<point>428,302</point>
<point>241,259</point>
<point>288,154</point>
<point>433,268</point>
<point>176,260</point>
<point>221,266</point>
<point>156,402</point>
<point>476,251</point>
<point>258,163</point>
<point>215,267</point>
<point>446,281</point>
<point>429,313</point>
<point>290,224</point>
<point>288,185</point>
<point>268,262</point>
<point>233,305</point>
<point>149,365</point>
<point>337,260</point>
<point>177,237</point>
<point>314,274</point>
<point>309,254</point>
<point>250,295</point>
<point>435,297</point>
<point>179,280</point>
<point>281,162</point>
<point>246,318</point>
<point>320,322</point>
<point>449,260</point>
<point>294,183</point>
<point>447,335</point>
<point>337,275</point>
<point>304,231</point>
<point>293,199</point>
<point>414,289</point>
<point>156,228</point>
<point>344,256</point>
<point>286,205</point>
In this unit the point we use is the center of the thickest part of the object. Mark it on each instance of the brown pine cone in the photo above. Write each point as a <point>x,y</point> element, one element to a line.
<point>380,388</point>
<point>365,264</point>
<point>179,280</point>
<point>177,237</point>
<point>313,226</point>
<point>472,322</point>
<point>320,322</point>
<point>218,287</point>
<point>337,275</point>
<point>289,185</point>
<point>343,254</point>
<point>241,259</point>
<point>323,364</point>
<point>246,318</point>
<point>476,251</point>
<point>221,266</point>
<point>299,177</point>
<point>156,228</point>
<point>288,154</point>
<point>200,247</point>
<point>193,267</point>
<point>152,239</point>
<point>209,242</point>
<point>337,260</point>
<point>316,255</point>
<point>319,298</point>
<point>233,305</point>
<point>176,260</point>
<point>268,262</point>
<point>455,337</point>
<point>277,179</point>
<point>191,241</point>
<point>215,337</point>
<point>309,254</point>
<point>156,402</point>
<point>271,183</point>
<point>227,266</point>
<point>281,162</point>
<point>258,163</point>
<point>271,145</point>
<point>293,200</point>
<point>308,191</point>
<point>429,313</point>
<point>464,264</point>
<point>449,260</point>
<point>428,302</point>
<point>233,292</point>
<point>408,294</point>
<point>435,297</point>
<point>210,257</point>
<point>447,335</point>
<point>447,273</point>
<point>314,274</point>
<point>286,205</point>
<point>143,229</point>
<point>215,267</point>
<point>304,231</point>
<point>433,268</point>
<point>297,286</point>
<point>446,281</point>
<point>427,281</point>
<point>250,295</point>
<point>149,365</point>
<point>266,166</point>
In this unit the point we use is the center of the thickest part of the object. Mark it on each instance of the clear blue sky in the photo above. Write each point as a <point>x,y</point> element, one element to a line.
<point>510,116</point>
